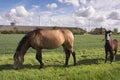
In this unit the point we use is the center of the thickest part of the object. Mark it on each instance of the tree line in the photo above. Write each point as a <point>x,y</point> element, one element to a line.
<point>76,31</point>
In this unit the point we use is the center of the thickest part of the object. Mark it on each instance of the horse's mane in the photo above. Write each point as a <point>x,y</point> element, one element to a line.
<point>26,38</point>
<point>23,41</point>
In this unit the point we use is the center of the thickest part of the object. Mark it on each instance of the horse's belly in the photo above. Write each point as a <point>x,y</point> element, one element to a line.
<point>52,42</point>
<point>51,46</point>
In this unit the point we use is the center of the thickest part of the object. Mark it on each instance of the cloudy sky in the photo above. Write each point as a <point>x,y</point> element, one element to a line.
<point>86,14</point>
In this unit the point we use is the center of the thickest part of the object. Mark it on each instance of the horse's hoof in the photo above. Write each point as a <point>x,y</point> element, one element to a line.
<point>114,59</point>
<point>105,61</point>
<point>75,64</point>
<point>65,65</point>
<point>16,68</point>
<point>41,67</point>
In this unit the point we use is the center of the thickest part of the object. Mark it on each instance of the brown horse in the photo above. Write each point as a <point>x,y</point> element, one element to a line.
<point>111,46</point>
<point>45,39</point>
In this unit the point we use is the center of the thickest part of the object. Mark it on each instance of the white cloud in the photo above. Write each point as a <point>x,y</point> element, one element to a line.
<point>79,21</point>
<point>46,13</point>
<point>61,20</point>
<point>18,13</point>
<point>83,1</point>
<point>0,18</point>
<point>52,6</point>
<point>21,11</point>
<point>100,18</point>
<point>114,15</point>
<point>73,2</point>
<point>105,5</point>
<point>35,6</point>
<point>91,14</point>
<point>99,13</point>
<point>105,13</point>
<point>86,12</point>
<point>60,1</point>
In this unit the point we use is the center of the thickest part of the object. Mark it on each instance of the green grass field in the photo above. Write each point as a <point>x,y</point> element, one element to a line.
<point>90,61</point>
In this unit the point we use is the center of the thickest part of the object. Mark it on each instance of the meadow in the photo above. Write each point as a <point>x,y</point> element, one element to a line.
<point>90,61</point>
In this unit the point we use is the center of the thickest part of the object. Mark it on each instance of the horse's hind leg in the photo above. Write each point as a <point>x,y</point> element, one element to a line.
<point>74,57</point>
<point>67,53</point>
<point>114,55</point>
<point>39,57</point>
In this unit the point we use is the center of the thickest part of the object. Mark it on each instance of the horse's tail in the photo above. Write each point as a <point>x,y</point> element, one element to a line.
<point>69,39</point>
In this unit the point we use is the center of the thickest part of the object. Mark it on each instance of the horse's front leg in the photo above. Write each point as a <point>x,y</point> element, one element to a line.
<point>111,56</point>
<point>39,58</point>
<point>106,54</point>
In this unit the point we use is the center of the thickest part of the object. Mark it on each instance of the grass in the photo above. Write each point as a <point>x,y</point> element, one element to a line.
<point>9,42</point>
<point>90,61</point>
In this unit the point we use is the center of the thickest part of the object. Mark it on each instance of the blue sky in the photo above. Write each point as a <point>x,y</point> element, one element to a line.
<point>87,14</point>
<point>28,4</point>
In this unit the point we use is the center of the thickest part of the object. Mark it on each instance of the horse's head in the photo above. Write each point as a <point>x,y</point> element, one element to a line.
<point>18,60</point>
<point>108,31</point>
<point>107,34</point>
<point>20,52</point>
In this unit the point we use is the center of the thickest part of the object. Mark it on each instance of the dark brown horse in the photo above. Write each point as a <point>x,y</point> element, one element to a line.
<point>44,39</point>
<point>111,46</point>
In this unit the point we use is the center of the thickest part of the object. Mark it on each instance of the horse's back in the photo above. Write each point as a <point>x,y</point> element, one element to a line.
<point>49,39</point>
<point>52,38</point>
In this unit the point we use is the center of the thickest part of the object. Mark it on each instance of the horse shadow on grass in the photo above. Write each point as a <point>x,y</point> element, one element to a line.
<point>90,61</point>
<point>29,66</point>
<point>79,62</point>
<point>117,57</point>
<point>6,67</point>
<point>96,60</point>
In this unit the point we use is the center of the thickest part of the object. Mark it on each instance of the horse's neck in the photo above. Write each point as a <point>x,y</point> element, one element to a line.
<point>23,45</point>
<point>109,42</point>
<point>22,48</point>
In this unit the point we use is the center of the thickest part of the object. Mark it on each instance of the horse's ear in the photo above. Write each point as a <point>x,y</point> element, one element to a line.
<point>105,30</point>
<point>110,31</point>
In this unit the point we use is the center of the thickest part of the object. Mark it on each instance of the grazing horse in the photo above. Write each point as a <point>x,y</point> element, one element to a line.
<point>111,46</point>
<point>44,39</point>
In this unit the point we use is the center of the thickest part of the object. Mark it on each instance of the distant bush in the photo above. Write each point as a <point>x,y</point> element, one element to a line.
<point>55,27</point>
<point>115,30</point>
<point>78,31</point>
<point>6,32</point>
<point>13,32</point>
